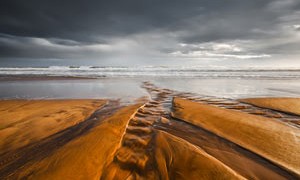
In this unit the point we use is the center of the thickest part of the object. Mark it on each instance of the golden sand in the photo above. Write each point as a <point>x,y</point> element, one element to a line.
<point>84,158</point>
<point>24,122</point>
<point>289,105</point>
<point>269,138</point>
<point>178,159</point>
<point>142,141</point>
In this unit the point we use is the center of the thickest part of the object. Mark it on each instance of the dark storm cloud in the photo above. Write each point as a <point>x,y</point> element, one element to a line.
<point>83,20</point>
<point>90,19</point>
<point>92,29</point>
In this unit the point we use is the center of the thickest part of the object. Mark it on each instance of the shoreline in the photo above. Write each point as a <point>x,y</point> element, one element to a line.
<point>41,77</point>
<point>12,77</point>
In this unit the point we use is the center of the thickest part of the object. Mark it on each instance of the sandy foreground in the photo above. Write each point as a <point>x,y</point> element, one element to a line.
<point>173,135</point>
<point>23,122</point>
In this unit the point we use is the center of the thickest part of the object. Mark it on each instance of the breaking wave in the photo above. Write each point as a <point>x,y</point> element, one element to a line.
<point>150,71</point>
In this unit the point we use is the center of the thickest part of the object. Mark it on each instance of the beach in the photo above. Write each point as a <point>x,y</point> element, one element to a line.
<point>150,90</point>
<point>158,133</point>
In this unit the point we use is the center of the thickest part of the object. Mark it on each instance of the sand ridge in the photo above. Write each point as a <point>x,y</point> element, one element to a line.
<point>134,159</point>
<point>24,122</point>
<point>240,105</point>
<point>288,105</point>
<point>178,159</point>
<point>271,139</point>
<point>84,157</point>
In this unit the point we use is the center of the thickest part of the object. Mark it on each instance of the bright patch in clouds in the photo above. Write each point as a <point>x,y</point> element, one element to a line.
<point>216,50</point>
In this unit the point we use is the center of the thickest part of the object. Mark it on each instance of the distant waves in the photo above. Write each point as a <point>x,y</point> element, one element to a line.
<point>149,71</point>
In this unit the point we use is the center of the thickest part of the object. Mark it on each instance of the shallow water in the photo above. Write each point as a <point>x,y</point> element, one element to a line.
<point>129,89</point>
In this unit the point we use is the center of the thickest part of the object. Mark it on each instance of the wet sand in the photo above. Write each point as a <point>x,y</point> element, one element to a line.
<point>178,159</point>
<point>85,156</point>
<point>270,139</point>
<point>288,105</point>
<point>170,135</point>
<point>23,122</point>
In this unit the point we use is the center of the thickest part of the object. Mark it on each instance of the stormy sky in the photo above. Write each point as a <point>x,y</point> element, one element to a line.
<point>150,32</point>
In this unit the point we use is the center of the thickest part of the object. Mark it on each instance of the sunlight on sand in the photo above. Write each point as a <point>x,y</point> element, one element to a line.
<point>26,121</point>
<point>168,135</point>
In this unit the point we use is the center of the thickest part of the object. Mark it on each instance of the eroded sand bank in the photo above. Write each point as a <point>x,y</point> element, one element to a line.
<point>178,159</point>
<point>289,105</point>
<point>264,136</point>
<point>84,157</point>
<point>26,121</point>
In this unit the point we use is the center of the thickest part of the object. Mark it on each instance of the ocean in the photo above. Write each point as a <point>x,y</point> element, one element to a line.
<point>125,82</point>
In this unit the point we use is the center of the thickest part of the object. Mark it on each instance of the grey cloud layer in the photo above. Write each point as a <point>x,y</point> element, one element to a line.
<point>199,29</point>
